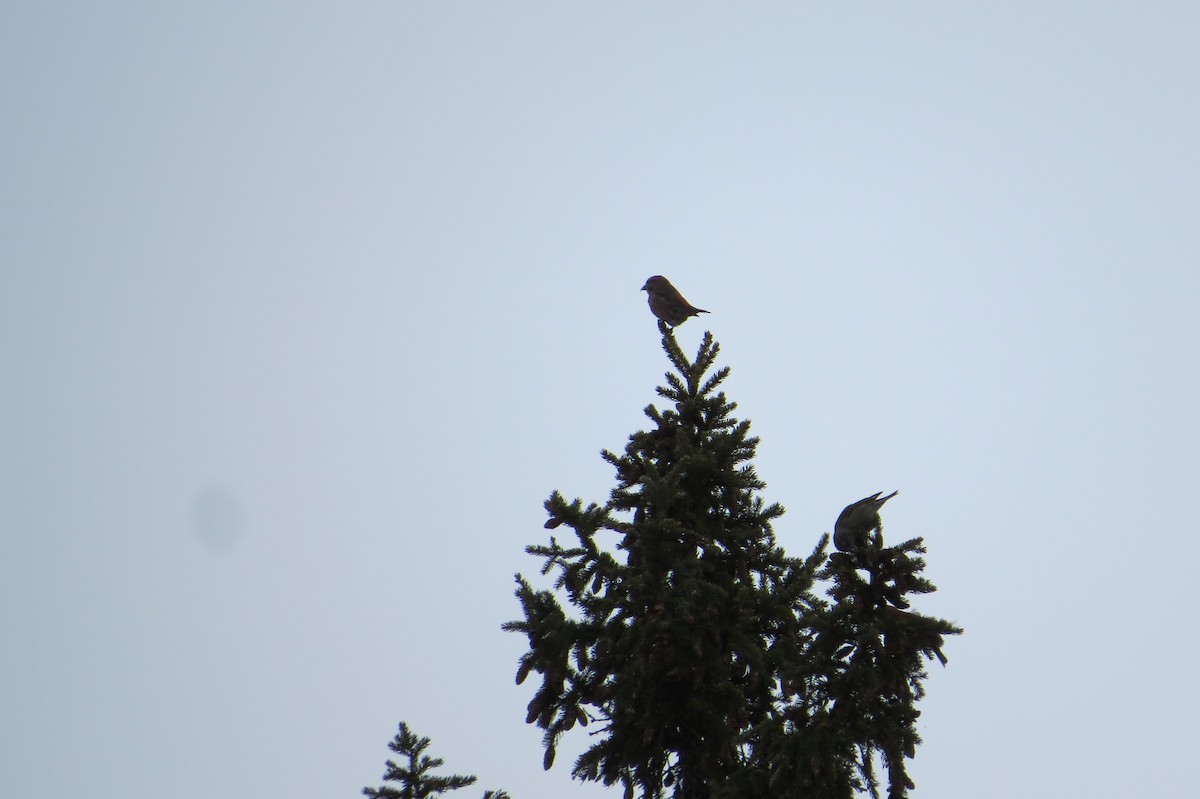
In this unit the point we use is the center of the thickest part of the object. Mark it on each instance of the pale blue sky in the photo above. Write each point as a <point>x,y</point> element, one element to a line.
<point>305,308</point>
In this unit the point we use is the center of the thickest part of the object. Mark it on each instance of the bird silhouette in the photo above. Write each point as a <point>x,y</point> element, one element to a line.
<point>857,520</point>
<point>667,303</point>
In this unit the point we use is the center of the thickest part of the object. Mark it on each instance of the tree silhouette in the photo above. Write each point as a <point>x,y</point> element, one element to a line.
<point>699,647</point>
<point>414,778</point>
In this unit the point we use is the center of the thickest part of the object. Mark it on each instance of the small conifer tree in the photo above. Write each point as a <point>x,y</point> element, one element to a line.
<point>414,779</point>
<point>697,645</point>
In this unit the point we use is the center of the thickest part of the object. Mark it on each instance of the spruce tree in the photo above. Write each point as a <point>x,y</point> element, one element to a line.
<point>414,778</point>
<point>697,645</point>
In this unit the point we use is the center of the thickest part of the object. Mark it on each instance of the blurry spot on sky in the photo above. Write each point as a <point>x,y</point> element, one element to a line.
<point>218,518</point>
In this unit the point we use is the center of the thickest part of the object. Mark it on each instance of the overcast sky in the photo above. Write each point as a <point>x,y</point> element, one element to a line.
<point>306,308</point>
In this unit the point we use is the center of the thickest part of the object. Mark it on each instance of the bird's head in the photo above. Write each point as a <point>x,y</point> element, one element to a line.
<point>654,282</point>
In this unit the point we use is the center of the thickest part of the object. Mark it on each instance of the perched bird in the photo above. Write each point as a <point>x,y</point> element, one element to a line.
<point>856,522</point>
<point>667,303</point>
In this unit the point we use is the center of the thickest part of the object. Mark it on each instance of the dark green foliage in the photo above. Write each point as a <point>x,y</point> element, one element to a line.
<point>851,695</point>
<point>697,646</point>
<point>415,780</point>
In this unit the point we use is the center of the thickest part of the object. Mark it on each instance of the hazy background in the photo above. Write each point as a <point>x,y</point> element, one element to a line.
<point>305,309</point>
